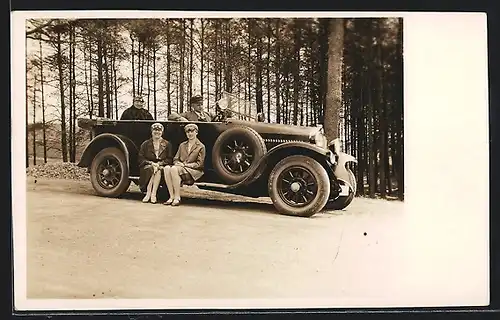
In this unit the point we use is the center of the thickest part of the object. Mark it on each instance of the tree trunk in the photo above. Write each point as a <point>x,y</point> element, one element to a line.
<point>169,100</point>
<point>248,110</point>
<point>370,142</point>
<point>44,131</point>
<point>91,84</point>
<point>115,83</point>
<point>202,57</point>
<point>383,125</point>
<point>334,84</point>
<point>73,84</point>
<point>277,67</point>
<point>191,21</point>
<point>27,116</point>
<point>181,68</point>
<point>132,54</point>
<point>70,100</point>
<point>208,84</point>
<point>399,104</point>
<point>141,66</point>
<point>229,59</point>
<point>89,108</point>
<point>296,72</point>
<point>268,69</point>
<point>323,68</point>
<point>361,136</point>
<point>100,80</point>
<point>154,83</point>
<point>147,74</point>
<point>34,120</point>
<point>258,76</point>
<point>59,53</point>
<point>106,77</point>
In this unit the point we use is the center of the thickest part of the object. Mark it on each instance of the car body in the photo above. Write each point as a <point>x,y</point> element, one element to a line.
<point>293,165</point>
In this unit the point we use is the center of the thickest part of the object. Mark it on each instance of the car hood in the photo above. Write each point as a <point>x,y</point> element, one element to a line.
<point>275,128</point>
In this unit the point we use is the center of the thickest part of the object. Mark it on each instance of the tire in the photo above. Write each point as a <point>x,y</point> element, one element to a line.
<point>343,201</point>
<point>307,180</point>
<point>109,173</point>
<point>340,203</point>
<point>236,153</point>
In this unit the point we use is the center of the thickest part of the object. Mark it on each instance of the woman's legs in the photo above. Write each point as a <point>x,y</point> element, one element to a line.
<point>168,179</point>
<point>176,183</point>
<point>156,183</point>
<point>148,190</point>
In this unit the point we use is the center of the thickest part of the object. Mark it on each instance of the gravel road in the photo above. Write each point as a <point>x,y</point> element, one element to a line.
<point>83,246</point>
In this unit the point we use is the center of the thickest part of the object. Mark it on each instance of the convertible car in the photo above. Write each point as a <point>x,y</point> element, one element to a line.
<point>295,166</point>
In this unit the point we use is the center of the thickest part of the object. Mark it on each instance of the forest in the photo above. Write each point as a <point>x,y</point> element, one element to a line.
<point>284,68</point>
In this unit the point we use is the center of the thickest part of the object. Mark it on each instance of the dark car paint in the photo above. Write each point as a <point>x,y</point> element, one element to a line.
<point>280,141</point>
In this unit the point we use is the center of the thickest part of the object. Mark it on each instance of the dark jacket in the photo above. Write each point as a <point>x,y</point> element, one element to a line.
<point>193,160</point>
<point>191,116</point>
<point>133,113</point>
<point>147,156</point>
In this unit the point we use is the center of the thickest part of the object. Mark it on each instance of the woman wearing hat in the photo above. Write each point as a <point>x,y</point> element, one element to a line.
<point>154,154</point>
<point>188,164</point>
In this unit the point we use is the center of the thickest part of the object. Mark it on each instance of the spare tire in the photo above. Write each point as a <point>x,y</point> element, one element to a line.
<point>236,153</point>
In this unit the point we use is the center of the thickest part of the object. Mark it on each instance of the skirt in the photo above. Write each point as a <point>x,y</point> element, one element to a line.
<point>145,174</point>
<point>186,177</point>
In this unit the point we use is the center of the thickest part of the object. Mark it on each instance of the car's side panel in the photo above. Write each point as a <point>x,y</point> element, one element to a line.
<point>279,152</point>
<point>104,140</point>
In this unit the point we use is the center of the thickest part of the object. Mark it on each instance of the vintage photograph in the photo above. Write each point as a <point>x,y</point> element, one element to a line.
<point>196,158</point>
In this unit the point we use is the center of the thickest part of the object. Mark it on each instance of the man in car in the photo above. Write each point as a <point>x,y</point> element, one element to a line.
<point>196,114</point>
<point>136,111</point>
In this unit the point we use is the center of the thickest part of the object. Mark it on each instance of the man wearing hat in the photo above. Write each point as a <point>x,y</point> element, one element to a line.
<point>196,114</point>
<point>136,111</point>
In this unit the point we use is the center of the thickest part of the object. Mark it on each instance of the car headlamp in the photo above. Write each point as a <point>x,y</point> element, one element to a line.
<point>334,146</point>
<point>318,138</point>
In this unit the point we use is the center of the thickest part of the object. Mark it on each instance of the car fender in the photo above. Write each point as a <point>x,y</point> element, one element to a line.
<point>102,141</point>
<point>282,150</point>
<point>342,172</point>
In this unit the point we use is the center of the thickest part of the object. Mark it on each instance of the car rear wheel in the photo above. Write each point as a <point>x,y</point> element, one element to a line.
<point>236,153</point>
<point>109,173</point>
<point>299,186</point>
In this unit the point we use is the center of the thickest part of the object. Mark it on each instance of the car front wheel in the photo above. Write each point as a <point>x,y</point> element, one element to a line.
<point>299,186</point>
<point>109,173</point>
<point>341,202</point>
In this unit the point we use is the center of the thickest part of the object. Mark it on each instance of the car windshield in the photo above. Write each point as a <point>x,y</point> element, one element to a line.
<point>234,107</point>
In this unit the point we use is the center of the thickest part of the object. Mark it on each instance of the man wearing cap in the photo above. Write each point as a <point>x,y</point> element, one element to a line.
<point>136,111</point>
<point>196,114</point>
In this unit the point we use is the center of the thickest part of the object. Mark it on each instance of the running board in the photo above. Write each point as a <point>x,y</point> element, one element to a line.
<point>199,184</point>
<point>211,185</point>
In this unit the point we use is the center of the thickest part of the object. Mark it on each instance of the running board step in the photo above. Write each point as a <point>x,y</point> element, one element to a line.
<point>211,185</point>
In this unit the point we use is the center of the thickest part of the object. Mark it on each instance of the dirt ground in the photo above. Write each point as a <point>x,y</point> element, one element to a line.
<point>80,245</point>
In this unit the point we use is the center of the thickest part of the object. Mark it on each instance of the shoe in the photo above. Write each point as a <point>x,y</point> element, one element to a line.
<point>146,198</point>
<point>153,199</point>
<point>176,202</point>
<point>169,201</point>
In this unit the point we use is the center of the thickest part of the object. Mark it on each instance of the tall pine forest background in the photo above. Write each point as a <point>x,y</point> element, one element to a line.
<point>283,67</point>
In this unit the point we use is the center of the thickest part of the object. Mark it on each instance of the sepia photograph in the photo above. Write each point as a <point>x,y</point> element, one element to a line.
<point>197,160</point>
